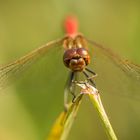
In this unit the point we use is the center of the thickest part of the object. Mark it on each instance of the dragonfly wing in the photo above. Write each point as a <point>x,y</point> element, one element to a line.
<point>12,69</point>
<point>127,66</point>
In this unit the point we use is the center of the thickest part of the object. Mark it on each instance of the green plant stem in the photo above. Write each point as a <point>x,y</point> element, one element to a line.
<point>71,117</point>
<point>96,100</point>
<point>63,124</point>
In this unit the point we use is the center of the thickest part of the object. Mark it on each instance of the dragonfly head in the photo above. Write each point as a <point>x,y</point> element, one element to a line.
<point>76,58</point>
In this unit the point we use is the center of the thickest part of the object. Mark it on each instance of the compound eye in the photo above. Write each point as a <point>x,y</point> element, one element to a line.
<point>82,52</point>
<point>68,55</point>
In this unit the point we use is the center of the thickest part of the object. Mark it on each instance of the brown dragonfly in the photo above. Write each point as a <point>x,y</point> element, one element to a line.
<point>76,57</point>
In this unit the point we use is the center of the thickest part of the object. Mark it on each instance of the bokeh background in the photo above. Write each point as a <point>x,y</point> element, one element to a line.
<point>30,105</point>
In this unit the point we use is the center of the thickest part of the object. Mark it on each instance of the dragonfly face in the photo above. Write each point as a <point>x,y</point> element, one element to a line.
<point>76,56</point>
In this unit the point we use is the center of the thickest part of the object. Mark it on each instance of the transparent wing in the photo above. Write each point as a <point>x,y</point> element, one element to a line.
<point>12,69</point>
<point>127,66</point>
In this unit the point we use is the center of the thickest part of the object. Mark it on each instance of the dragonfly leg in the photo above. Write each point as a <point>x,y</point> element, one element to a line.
<point>90,77</point>
<point>72,88</point>
<point>73,94</point>
<point>68,88</point>
<point>92,72</point>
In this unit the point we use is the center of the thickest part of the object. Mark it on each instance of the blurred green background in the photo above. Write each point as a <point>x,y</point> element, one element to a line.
<point>29,107</point>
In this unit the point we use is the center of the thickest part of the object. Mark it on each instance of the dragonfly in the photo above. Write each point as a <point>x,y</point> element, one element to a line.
<point>76,57</point>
